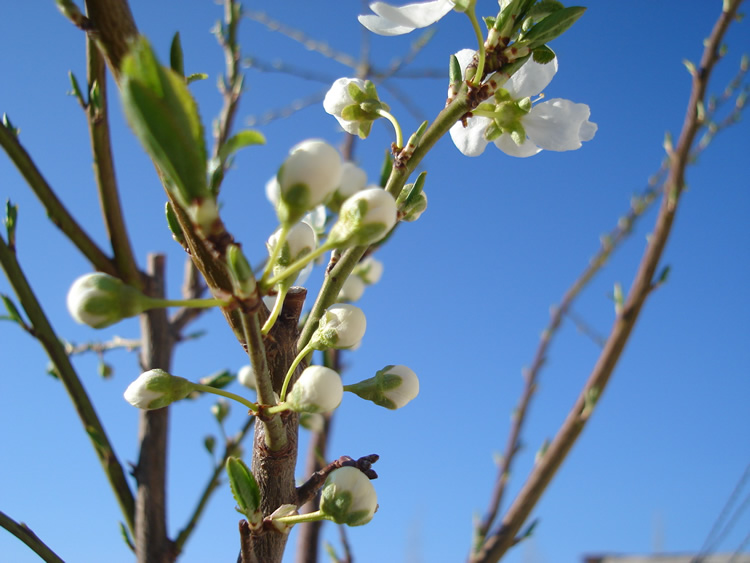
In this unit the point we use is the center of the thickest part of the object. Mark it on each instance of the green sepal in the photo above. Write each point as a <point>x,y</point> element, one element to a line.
<point>13,313</point>
<point>76,89</point>
<point>244,489</point>
<point>354,112</point>
<point>176,59</point>
<point>363,129</point>
<point>10,221</point>
<point>356,94</point>
<point>373,389</point>
<point>517,133</point>
<point>165,119</point>
<point>553,26</point>
<point>489,21</point>
<point>370,90</point>
<point>174,224</point>
<point>543,55</point>
<point>335,505</point>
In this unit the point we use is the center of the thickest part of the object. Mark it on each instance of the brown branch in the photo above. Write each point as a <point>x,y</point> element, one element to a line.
<point>104,168</point>
<point>56,211</point>
<point>152,543</point>
<point>24,533</point>
<point>112,27</point>
<point>499,542</point>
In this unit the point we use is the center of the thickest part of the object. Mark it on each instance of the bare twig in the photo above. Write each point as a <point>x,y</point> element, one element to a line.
<point>24,533</point>
<point>500,541</point>
<point>53,346</point>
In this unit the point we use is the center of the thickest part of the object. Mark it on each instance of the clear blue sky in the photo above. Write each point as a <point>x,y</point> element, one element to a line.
<point>465,294</point>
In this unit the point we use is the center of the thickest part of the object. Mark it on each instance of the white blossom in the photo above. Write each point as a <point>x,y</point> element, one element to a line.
<point>338,97</point>
<point>364,218</point>
<point>341,326</point>
<point>352,289</point>
<point>392,20</point>
<point>100,300</point>
<point>399,394</point>
<point>318,389</point>
<point>556,124</point>
<point>370,270</point>
<point>348,497</point>
<point>156,388</point>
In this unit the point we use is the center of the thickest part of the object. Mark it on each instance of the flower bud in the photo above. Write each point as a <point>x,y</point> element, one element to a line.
<point>156,388</point>
<point>220,410</point>
<point>352,290</point>
<point>348,497</point>
<point>313,421</point>
<point>364,218</point>
<point>246,377</point>
<point>341,326</point>
<point>392,387</point>
<point>318,389</point>
<point>369,270</point>
<point>354,103</point>
<point>353,180</point>
<point>282,512</point>
<point>412,209</point>
<point>309,175</point>
<point>100,300</point>
<point>299,241</point>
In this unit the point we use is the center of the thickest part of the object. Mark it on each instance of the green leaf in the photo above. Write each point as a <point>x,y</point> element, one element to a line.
<point>126,537</point>
<point>165,119</point>
<point>9,126</point>
<point>13,313</point>
<point>209,442</point>
<point>76,89</point>
<point>244,487</point>
<point>454,71</point>
<point>176,60</point>
<point>385,169</point>
<point>218,380</point>
<point>95,96</point>
<point>195,77</point>
<point>246,138</point>
<point>174,224</point>
<point>553,26</point>
<point>543,55</point>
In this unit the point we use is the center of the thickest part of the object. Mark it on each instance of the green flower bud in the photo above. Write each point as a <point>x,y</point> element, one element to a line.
<point>364,218</point>
<point>392,387</point>
<point>155,389</point>
<point>341,326</point>
<point>309,175</point>
<point>348,497</point>
<point>318,389</point>
<point>100,300</point>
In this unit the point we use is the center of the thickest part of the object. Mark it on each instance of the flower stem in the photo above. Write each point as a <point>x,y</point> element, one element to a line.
<point>296,266</point>
<point>275,253</point>
<point>390,117</point>
<point>208,389</point>
<point>471,12</point>
<point>304,352</point>
<point>283,288</point>
<point>299,518</point>
<point>189,303</point>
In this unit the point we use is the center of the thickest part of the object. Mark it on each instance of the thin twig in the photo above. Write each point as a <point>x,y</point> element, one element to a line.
<point>501,540</point>
<point>214,481</point>
<point>56,211</point>
<point>24,533</point>
<point>53,346</point>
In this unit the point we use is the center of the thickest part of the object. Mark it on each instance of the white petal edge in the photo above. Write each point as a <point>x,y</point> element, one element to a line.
<point>531,79</point>
<point>506,144</point>
<point>393,20</point>
<point>559,125</point>
<point>470,140</point>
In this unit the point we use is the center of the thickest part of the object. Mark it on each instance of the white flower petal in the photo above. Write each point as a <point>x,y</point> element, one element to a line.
<point>559,125</point>
<point>531,79</point>
<point>392,20</point>
<point>470,140</point>
<point>506,144</point>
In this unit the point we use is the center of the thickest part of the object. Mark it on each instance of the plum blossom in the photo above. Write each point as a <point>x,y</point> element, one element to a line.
<point>392,20</point>
<point>518,127</point>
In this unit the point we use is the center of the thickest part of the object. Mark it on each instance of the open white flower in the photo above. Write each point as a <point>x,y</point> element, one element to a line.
<point>519,128</point>
<point>392,20</point>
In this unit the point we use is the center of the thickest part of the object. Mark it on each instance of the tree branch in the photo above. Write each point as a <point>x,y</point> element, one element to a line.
<point>498,544</point>
<point>52,344</point>
<point>24,533</point>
